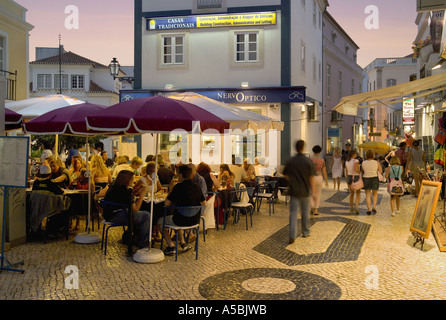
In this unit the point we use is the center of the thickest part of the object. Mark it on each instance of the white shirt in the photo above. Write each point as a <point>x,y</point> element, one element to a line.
<point>350,166</point>
<point>370,168</point>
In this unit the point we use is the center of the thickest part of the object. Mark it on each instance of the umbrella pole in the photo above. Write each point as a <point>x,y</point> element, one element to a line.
<point>151,255</point>
<point>88,237</point>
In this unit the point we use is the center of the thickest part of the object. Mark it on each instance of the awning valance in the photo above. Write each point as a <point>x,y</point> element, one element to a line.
<point>409,90</point>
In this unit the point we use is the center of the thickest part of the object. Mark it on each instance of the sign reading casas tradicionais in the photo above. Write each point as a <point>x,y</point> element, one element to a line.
<point>212,21</point>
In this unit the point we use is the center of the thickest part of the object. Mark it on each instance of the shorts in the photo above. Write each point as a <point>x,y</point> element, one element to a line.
<point>371,183</point>
<point>350,179</point>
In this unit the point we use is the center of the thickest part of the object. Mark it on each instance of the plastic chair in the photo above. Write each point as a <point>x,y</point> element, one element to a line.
<point>285,192</point>
<point>189,211</point>
<point>263,192</point>
<point>108,224</point>
<point>243,195</point>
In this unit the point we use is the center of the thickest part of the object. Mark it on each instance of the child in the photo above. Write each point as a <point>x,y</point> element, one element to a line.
<point>394,171</point>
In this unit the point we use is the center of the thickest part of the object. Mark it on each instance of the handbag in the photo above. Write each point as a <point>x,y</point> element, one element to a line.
<point>380,176</point>
<point>358,185</point>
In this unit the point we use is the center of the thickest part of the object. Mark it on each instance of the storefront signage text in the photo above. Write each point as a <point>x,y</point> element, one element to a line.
<point>408,112</point>
<point>213,21</point>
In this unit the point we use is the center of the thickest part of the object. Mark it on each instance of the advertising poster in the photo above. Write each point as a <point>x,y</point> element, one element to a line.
<point>408,112</point>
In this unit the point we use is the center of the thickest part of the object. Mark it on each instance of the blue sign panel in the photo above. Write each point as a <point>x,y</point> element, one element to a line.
<point>333,132</point>
<point>264,95</point>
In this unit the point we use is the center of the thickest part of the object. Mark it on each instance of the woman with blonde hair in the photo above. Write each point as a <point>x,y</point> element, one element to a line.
<point>122,163</point>
<point>101,175</point>
<point>336,168</point>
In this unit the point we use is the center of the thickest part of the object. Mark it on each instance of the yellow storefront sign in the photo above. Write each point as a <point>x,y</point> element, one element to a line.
<point>236,20</point>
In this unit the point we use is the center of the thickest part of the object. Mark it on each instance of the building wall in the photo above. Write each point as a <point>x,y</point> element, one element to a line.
<point>15,31</point>
<point>341,61</point>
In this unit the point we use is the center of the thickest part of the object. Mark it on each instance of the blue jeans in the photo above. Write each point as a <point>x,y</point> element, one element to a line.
<point>304,205</point>
<point>140,224</point>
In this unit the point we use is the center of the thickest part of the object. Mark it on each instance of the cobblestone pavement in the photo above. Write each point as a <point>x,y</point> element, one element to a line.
<point>347,257</point>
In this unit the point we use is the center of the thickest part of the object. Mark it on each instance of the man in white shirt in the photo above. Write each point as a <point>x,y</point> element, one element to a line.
<point>238,171</point>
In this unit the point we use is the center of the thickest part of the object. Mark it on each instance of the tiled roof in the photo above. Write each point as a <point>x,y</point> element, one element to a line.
<point>70,58</point>
<point>95,88</point>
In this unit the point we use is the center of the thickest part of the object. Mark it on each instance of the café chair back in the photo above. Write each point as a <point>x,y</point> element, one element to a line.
<point>242,204</point>
<point>265,191</point>
<point>107,225</point>
<point>189,211</point>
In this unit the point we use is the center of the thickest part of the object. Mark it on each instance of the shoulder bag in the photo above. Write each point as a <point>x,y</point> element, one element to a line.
<point>358,185</point>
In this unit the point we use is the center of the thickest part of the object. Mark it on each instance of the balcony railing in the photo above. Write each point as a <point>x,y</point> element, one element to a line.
<point>11,84</point>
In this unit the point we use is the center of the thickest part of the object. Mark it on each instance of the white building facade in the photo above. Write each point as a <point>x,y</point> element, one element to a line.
<point>262,55</point>
<point>72,75</point>
<point>385,120</point>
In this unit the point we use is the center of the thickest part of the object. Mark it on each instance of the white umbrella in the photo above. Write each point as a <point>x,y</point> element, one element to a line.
<point>238,118</point>
<point>34,107</point>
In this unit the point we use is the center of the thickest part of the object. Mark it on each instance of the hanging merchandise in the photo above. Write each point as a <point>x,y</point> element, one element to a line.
<point>439,156</point>
<point>441,136</point>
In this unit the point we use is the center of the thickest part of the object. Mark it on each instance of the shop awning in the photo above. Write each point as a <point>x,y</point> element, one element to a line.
<point>409,90</point>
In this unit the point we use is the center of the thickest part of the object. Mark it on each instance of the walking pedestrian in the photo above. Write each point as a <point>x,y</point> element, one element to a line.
<point>299,171</point>
<point>321,174</point>
<point>394,172</point>
<point>370,168</point>
<point>336,168</point>
<point>416,159</point>
<point>352,170</point>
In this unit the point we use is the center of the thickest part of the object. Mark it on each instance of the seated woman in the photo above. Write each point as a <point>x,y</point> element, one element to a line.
<point>76,166</point>
<point>121,164</point>
<point>146,176</point>
<point>120,191</point>
<point>158,208</point>
<point>226,176</point>
<point>79,203</point>
<point>101,175</point>
<point>135,164</point>
<point>211,181</point>
<point>60,175</point>
<point>44,183</point>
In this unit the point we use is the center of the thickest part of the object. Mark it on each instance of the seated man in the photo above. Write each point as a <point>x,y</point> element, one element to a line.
<point>185,193</point>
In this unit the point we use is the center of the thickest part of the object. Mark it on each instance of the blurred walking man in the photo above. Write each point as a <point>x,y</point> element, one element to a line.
<point>299,171</point>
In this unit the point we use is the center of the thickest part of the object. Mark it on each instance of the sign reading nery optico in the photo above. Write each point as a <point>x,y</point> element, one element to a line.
<point>212,21</point>
<point>266,95</point>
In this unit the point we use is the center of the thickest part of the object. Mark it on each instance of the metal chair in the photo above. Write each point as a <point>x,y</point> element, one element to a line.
<point>243,195</point>
<point>108,224</point>
<point>189,211</point>
<point>285,192</point>
<point>265,191</point>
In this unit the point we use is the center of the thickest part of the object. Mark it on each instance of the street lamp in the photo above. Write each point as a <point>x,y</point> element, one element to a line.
<point>114,67</point>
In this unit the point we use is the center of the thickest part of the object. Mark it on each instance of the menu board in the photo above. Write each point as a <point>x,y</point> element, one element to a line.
<point>14,161</point>
<point>408,112</point>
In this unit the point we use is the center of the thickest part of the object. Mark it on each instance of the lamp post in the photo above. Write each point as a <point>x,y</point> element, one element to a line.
<point>115,67</point>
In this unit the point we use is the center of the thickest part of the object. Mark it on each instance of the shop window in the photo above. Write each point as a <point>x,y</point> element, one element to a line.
<point>44,81</point>
<point>77,81</point>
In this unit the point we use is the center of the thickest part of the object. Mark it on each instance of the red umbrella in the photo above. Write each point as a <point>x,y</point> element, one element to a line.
<point>154,115</point>
<point>13,120</point>
<point>68,120</point>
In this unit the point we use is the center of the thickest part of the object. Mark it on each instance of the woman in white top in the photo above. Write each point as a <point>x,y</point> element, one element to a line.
<point>370,169</point>
<point>352,169</point>
<point>336,169</point>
